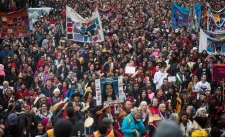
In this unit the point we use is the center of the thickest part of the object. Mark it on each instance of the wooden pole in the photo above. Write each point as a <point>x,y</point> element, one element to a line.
<point>223,88</point>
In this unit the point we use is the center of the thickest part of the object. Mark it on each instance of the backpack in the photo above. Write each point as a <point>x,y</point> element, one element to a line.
<point>178,105</point>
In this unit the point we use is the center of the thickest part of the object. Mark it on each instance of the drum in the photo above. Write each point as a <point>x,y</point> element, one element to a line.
<point>88,122</point>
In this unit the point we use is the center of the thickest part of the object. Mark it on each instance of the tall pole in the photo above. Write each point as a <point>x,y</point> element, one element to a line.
<point>223,88</point>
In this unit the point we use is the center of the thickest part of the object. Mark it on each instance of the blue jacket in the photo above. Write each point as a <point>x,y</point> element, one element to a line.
<point>70,92</point>
<point>4,54</point>
<point>129,125</point>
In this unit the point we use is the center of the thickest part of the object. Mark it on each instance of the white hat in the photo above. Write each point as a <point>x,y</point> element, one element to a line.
<point>55,90</point>
<point>195,48</point>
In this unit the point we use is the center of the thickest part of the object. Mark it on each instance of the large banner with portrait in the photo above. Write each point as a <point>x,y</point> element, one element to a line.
<point>109,88</point>
<point>83,30</point>
<point>15,23</point>
<point>213,43</point>
<point>215,19</point>
<point>180,16</point>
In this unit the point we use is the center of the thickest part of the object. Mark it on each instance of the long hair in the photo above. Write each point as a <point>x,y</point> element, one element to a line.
<point>183,114</point>
<point>70,114</point>
<point>148,101</point>
<point>86,95</point>
<point>105,95</point>
<point>147,110</point>
<point>199,112</point>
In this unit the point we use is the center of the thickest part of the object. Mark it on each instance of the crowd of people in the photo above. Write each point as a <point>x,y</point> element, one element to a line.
<point>46,78</point>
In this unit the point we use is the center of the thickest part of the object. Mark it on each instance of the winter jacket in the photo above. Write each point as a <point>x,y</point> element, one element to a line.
<point>186,130</point>
<point>48,92</point>
<point>70,92</point>
<point>129,125</point>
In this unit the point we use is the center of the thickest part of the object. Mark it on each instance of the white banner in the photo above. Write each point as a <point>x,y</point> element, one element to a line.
<point>213,43</point>
<point>83,30</point>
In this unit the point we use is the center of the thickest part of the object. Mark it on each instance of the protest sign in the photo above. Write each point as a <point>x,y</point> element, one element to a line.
<point>109,89</point>
<point>218,73</point>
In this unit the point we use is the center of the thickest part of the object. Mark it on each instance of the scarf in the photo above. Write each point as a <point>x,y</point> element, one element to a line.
<point>55,100</point>
<point>202,122</point>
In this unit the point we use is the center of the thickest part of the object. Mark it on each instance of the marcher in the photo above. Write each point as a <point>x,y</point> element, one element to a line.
<point>44,72</point>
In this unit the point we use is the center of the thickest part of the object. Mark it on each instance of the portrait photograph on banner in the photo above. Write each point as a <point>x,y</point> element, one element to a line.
<point>109,90</point>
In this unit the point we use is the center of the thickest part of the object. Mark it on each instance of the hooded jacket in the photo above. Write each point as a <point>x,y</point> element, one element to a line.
<point>129,125</point>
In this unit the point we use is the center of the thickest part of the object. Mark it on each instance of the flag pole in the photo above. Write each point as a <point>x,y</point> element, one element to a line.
<point>223,88</point>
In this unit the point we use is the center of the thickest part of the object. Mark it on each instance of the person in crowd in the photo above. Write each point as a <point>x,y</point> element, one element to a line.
<point>48,89</point>
<point>202,86</point>
<point>110,131</point>
<point>39,130</point>
<point>16,125</point>
<point>183,77</point>
<point>174,117</point>
<point>190,112</point>
<point>185,124</point>
<point>192,101</point>
<point>71,90</point>
<point>128,106</point>
<point>132,125</point>
<point>201,121</point>
<point>145,112</point>
<point>144,97</point>
<point>191,86</point>
<point>43,113</point>
<point>154,107</point>
<point>160,95</point>
<point>47,64</point>
<point>162,112</point>
<point>159,76</point>
<point>153,124</point>
<point>168,128</point>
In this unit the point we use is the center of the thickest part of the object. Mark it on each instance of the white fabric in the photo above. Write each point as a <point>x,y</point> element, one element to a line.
<point>201,85</point>
<point>158,78</point>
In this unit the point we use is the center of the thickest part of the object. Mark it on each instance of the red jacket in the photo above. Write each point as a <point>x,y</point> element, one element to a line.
<point>19,94</point>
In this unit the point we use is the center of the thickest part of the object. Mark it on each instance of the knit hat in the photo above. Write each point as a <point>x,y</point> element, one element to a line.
<point>42,96</point>
<point>168,128</point>
<point>56,90</point>
<point>45,121</point>
<point>12,119</point>
<point>63,128</point>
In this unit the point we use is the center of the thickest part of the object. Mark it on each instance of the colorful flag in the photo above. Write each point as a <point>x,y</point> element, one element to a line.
<point>215,19</point>
<point>109,13</point>
<point>84,30</point>
<point>212,42</point>
<point>180,15</point>
<point>13,22</point>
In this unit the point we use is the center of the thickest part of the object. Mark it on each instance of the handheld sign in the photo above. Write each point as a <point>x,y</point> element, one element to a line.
<point>218,72</point>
